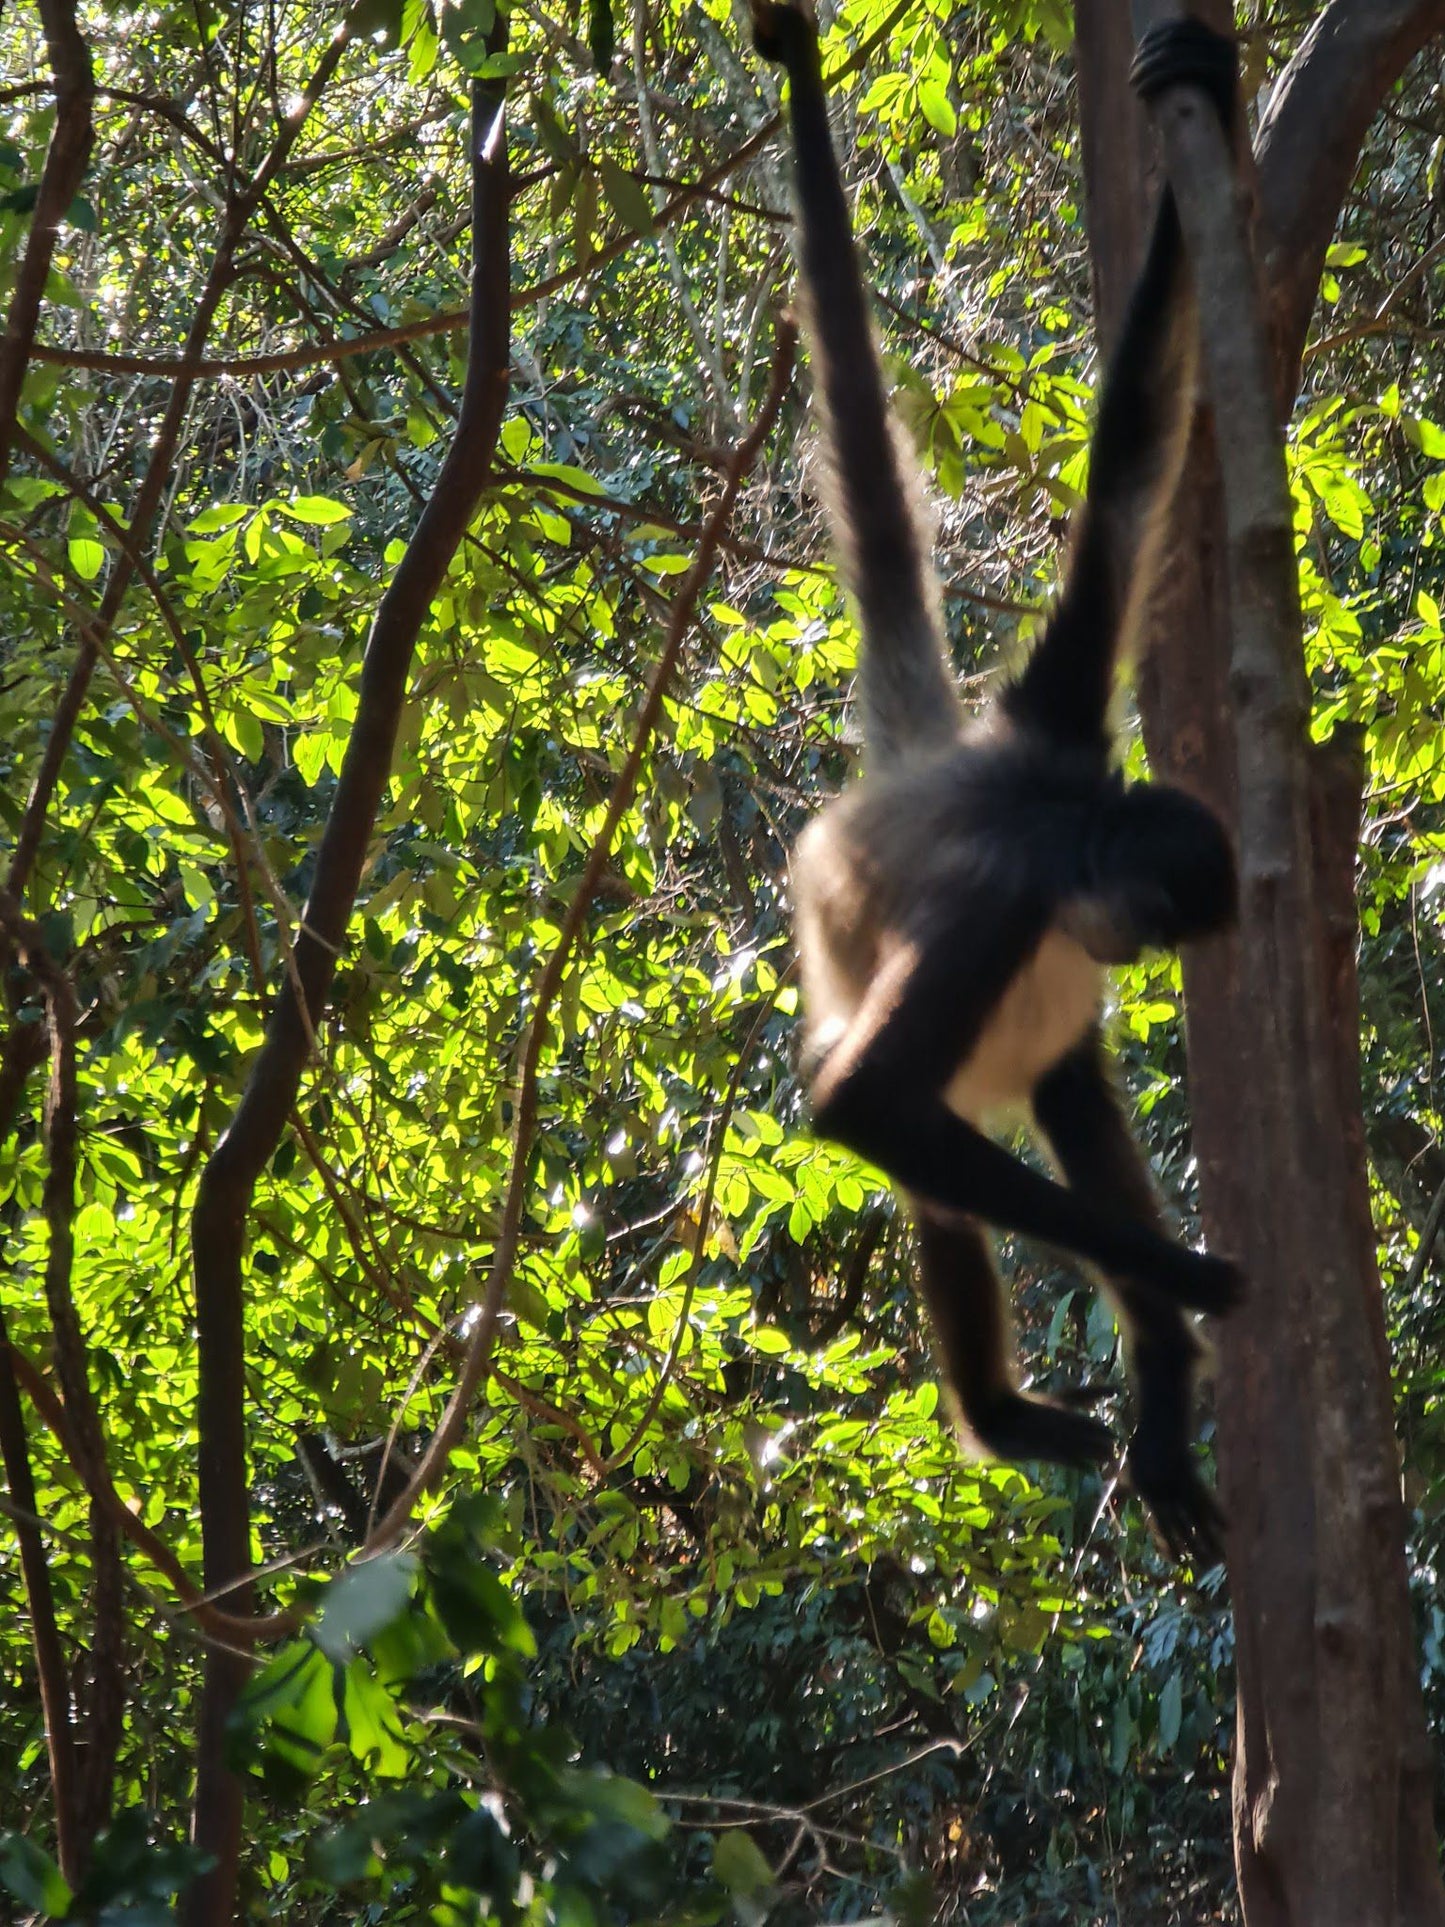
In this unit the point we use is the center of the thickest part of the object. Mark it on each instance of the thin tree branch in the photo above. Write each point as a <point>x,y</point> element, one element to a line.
<point>24,1049</point>
<point>449,1429</point>
<point>228,1182</point>
<point>158,468</point>
<point>1309,148</point>
<point>217,1624</point>
<point>1430,1231</point>
<point>64,170</point>
<point>104,1707</point>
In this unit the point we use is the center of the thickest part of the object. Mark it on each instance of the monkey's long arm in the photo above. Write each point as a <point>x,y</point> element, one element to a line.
<point>906,690</point>
<point>880,1090</point>
<point>1137,455</point>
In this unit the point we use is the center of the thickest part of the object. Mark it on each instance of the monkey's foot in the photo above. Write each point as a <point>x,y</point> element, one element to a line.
<point>1185,1514</point>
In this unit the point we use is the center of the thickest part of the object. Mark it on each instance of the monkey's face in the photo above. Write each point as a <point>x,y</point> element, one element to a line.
<point>1160,872</point>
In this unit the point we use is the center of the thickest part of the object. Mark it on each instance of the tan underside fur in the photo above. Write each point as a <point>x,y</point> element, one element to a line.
<point>1046,1011</point>
<point>837,902</point>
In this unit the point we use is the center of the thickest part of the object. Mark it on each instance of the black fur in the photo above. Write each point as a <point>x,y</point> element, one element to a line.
<point>991,865</point>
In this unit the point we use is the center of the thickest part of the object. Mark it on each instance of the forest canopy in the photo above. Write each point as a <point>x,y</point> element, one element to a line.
<point>701,1612</point>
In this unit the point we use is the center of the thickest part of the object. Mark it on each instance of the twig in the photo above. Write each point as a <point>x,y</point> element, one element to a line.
<point>479,1349</point>
<point>1434,1218</point>
<point>719,1135</point>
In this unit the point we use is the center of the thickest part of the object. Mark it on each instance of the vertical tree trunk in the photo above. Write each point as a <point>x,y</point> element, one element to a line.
<point>1332,1792</point>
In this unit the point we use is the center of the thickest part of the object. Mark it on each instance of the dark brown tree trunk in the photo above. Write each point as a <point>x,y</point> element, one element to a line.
<point>1333,1782</point>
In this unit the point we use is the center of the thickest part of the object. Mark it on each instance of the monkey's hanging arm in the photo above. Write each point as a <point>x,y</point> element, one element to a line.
<point>1265,623</point>
<point>905,688</point>
<point>1146,408</point>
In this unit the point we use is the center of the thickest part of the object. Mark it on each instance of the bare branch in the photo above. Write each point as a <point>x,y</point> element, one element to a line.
<point>64,170</point>
<point>24,1049</point>
<point>1309,148</point>
<point>105,1689</point>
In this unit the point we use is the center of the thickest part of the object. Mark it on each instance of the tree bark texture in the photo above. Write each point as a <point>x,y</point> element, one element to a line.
<point>1332,1781</point>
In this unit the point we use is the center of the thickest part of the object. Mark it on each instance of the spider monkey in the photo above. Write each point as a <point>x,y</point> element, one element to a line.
<point>954,910</point>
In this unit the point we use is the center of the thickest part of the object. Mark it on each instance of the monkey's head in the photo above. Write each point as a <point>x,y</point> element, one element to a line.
<point>1159,871</point>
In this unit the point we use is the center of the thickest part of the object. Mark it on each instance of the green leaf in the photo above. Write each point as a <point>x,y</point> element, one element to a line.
<point>740,1866</point>
<point>363,1602</point>
<point>1171,1702</point>
<point>319,510</point>
<point>32,1877</point>
<point>937,108</point>
<point>224,516</point>
<point>767,1338</point>
<point>371,1726</point>
<point>617,1797</point>
<point>627,197</point>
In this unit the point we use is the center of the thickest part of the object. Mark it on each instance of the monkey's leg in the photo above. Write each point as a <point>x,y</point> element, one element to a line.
<point>970,1326</point>
<point>880,1091</point>
<point>1080,1116</point>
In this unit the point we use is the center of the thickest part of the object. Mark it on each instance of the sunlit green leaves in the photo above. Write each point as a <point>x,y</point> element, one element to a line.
<point>711,1450</point>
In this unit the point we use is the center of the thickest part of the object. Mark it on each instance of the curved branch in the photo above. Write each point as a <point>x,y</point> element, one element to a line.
<point>23,1049</point>
<point>228,1182</point>
<point>64,170</point>
<point>1309,148</point>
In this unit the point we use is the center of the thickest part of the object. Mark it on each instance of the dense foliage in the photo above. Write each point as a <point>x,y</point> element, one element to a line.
<point>709,1613</point>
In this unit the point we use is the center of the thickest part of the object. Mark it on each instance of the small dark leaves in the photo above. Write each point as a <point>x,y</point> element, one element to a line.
<point>391,1827</point>
<point>464,28</point>
<point>483,1857</point>
<point>478,1612</point>
<point>133,1862</point>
